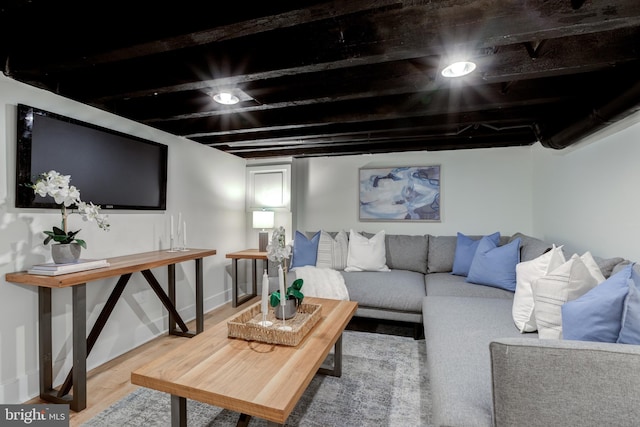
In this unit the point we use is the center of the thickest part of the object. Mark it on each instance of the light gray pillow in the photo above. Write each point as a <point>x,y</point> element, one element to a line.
<point>530,247</point>
<point>441,252</point>
<point>405,252</point>
<point>607,264</point>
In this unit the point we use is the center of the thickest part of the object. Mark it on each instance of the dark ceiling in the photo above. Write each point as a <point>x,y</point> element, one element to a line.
<point>323,78</point>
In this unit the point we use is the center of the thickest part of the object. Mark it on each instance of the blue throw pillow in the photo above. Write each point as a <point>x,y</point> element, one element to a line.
<point>495,265</point>
<point>597,315</point>
<point>630,329</point>
<point>465,251</point>
<point>305,251</point>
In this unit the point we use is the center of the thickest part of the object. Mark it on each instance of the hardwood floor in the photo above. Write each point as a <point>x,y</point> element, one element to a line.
<point>110,382</point>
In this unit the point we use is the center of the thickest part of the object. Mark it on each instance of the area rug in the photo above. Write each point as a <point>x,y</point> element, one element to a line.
<point>384,382</point>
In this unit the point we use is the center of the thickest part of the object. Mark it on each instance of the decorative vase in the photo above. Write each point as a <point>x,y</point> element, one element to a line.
<point>290,309</point>
<point>65,253</point>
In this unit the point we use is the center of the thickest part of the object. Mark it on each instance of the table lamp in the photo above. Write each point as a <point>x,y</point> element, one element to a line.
<point>262,220</point>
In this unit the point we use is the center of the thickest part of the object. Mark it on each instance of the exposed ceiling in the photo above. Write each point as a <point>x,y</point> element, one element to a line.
<point>322,78</point>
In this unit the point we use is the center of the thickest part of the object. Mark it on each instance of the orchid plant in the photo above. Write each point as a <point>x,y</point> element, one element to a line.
<point>278,252</point>
<point>67,196</point>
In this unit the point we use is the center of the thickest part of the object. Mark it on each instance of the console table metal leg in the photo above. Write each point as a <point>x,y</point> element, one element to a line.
<point>79,337</point>
<point>166,301</point>
<point>45,333</point>
<point>199,297</point>
<point>171,290</point>
<point>234,284</point>
<point>79,308</point>
<point>178,411</point>
<point>98,326</point>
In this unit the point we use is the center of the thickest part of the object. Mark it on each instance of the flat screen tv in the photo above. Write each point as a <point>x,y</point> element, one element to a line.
<point>110,168</point>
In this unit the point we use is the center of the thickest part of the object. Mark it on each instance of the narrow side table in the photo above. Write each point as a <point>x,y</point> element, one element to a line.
<point>254,255</point>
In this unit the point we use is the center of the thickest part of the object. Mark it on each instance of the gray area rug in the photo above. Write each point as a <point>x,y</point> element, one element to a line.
<point>384,382</point>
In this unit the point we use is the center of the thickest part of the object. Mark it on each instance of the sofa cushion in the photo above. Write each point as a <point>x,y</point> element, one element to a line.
<point>530,247</point>
<point>446,284</point>
<point>571,280</point>
<point>405,252</point>
<point>495,265</point>
<point>459,364</point>
<point>332,251</point>
<point>466,247</point>
<point>597,315</point>
<point>399,290</point>
<point>441,251</point>
<point>366,254</point>
<point>527,273</point>
<point>305,250</point>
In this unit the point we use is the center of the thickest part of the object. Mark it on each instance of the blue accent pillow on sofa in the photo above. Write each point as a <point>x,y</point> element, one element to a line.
<point>597,315</point>
<point>630,328</point>
<point>495,265</point>
<point>465,251</point>
<point>305,251</point>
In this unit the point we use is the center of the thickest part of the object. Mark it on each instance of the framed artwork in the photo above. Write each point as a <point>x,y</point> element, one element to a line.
<point>409,193</point>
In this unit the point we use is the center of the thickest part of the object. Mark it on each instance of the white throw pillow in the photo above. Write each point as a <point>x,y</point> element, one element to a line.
<point>526,273</point>
<point>366,254</point>
<point>332,253</point>
<point>568,282</point>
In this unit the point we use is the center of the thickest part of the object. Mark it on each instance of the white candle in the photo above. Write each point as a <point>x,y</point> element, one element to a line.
<point>265,293</point>
<point>179,221</point>
<point>184,235</point>
<point>283,297</point>
<point>171,227</point>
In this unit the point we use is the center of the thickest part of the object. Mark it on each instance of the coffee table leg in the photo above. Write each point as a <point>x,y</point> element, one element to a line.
<point>178,411</point>
<point>336,371</point>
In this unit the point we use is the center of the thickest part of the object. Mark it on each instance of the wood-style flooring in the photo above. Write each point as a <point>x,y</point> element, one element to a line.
<point>110,382</point>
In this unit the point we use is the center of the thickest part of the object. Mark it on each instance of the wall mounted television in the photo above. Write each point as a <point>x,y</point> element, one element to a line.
<point>110,168</point>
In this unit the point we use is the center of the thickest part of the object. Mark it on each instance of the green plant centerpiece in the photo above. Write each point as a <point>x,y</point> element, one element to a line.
<point>292,291</point>
<point>278,251</point>
<point>67,196</point>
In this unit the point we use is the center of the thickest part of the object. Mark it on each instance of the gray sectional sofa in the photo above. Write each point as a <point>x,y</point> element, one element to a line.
<point>482,370</point>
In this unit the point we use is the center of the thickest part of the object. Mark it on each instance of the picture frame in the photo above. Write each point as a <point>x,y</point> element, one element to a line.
<point>405,193</point>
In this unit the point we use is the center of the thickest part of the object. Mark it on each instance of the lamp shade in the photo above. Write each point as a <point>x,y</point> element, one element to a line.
<point>263,219</point>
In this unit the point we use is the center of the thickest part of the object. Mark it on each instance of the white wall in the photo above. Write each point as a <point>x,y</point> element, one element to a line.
<point>482,191</point>
<point>587,196</point>
<point>206,185</point>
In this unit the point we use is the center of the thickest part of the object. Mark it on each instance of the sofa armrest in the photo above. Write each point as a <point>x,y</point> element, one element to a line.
<point>553,382</point>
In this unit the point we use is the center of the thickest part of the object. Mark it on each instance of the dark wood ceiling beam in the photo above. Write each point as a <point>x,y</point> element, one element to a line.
<point>394,134</point>
<point>414,32</point>
<point>260,25</point>
<point>393,144</point>
<point>440,105</point>
<point>504,67</point>
<point>494,119</point>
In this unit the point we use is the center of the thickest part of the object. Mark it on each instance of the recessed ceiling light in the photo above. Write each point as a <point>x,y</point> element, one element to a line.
<point>458,69</point>
<point>226,98</point>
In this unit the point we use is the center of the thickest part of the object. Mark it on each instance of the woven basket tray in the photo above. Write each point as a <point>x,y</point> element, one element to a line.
<point>246,326</point>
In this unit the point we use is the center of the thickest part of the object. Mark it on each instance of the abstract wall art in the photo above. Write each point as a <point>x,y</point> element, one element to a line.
<point>410,193</point>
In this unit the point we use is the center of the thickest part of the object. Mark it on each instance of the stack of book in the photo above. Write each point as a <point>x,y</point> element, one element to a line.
<point>52,269</point>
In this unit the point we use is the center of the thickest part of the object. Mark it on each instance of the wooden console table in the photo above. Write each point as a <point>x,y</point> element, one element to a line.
<point>124,267</point>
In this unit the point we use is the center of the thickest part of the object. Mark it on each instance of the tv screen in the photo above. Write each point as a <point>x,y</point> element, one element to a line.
<point>110,168</point>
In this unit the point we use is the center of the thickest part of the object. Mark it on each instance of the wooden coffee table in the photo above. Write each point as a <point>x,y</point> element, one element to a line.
<point>252,378</point>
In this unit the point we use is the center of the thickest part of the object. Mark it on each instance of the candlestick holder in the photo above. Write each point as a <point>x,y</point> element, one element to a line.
<point>171,247</point>
<point>264,322</point>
